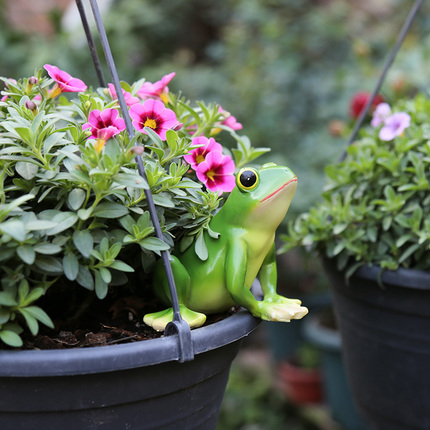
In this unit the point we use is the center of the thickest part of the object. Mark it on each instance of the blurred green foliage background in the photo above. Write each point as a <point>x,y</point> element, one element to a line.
<point>285,68</point>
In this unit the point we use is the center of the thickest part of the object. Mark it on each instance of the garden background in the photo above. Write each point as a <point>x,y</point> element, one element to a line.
<point>286,69</point>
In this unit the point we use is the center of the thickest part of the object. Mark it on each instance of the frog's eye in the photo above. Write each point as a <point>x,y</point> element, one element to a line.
<point>247,179</point>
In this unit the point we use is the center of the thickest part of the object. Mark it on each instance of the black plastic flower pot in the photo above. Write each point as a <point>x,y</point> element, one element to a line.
<point>134,386</point>
<point>321,331</point>
<point>386,344</point>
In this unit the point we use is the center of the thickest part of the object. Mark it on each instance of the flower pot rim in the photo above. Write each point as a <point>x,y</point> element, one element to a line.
<point>402,277</point>
<point>40,363</point>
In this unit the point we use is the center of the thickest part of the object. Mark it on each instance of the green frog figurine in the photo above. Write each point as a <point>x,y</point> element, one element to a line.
<point>246,224</point>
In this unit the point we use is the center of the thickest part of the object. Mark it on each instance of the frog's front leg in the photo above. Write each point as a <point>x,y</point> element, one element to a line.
<point>273,307</point>
<point>159,320</point>
<point>279,308</point>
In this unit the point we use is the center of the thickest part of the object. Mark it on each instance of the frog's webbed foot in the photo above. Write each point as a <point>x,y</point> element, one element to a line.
<point>159,320</point>
<point>278,308</point>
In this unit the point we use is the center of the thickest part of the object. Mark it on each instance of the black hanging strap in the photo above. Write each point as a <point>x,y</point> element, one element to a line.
<point>178,325</point>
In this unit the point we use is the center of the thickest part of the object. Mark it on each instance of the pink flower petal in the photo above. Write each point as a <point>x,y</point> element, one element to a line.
<point>107,119</point>
<point>216,172</point>
<point>66,82</point>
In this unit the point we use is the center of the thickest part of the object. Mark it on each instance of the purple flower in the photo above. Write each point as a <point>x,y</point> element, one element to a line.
<point>394,126</point>
<point>381,113</point>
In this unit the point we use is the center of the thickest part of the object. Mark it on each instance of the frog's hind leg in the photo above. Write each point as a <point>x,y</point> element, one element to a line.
<point>159,320</point>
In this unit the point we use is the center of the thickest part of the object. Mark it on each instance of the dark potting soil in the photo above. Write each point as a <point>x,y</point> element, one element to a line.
<point>102,323</point>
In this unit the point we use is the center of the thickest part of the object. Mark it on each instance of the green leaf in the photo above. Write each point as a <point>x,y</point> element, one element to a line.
<point>52,140</point>
<point>154,137</point>
<point>110,210</point>
<point>154,244</point>
<point>131,180</point>
<point>172,139</point>
<point>84,242</point>
<point>75,198</point>
<point>40,225</point>
<point>34,294</point>
<point>7,299</point>
<point>106,275</point>
<point>121,266</point>
<point>70,266</point>
<point>200,247</point>
<point>26,170</point>
<point>4,316</point>
<point>84,214</point>
<point>32,323</point>
<point>47,249</point>
<point>85,279</point>
<point>40,315</point>
<point>64,221</point>
<point>49,265</point>
<point>15,229</point>
<point>101,286</point>
<point>25,134</point>
<point>161,200</point>
<point>26,254</point>
<point>11,338</point>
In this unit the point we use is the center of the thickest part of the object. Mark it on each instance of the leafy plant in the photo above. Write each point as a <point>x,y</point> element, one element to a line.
<point>73,209</point>
<point>376,204</point>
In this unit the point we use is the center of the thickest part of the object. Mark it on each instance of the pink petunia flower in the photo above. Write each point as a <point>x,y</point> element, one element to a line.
<point>216,172</point>
<point>104,125</point>
<point>158,90</point>
<point>382,112</point>
<point>394,126</point>
<point>64,83</point>
<point>153,114</point>
<point>230,121</point>
<point>198,155</point>
<point>130,100</point>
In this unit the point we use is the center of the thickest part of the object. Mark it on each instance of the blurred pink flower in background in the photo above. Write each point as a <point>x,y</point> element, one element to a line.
<point>394,126</point>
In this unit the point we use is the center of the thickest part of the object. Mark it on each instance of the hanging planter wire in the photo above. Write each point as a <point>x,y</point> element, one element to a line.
<point>389,61</point>
<point>178,326</point>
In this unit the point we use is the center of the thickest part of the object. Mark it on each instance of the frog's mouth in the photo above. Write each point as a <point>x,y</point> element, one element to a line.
<point>279,189</point>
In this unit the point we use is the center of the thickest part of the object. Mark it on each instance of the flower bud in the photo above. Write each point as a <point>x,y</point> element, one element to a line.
<point>138,150</point>
<point>30,105</point>
<point>30,83</point>
<point>178,126</point>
